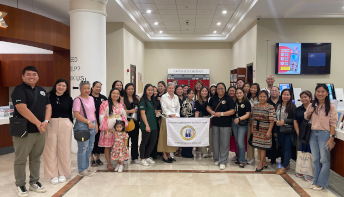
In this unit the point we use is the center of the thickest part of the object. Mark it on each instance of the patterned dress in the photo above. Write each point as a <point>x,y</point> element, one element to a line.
<point>106,138</point>
<point>120,151</point>
<point>262,117</point>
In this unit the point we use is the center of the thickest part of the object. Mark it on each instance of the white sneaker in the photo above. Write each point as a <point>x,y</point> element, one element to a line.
<point>37,187</point>
<point>120,168</point>
<point>318,188</point>
<point>222,166</point>
<point>116,168</point>
<point>150,160</point>
<point>144,162</point>
<point>91,169</point>
<point>62,179</point>
<point>85,173</point>
<point>136,161</point>
<point>216,163</point>
<point>21,191</point>
<point>251,161</point>
<point>54,181</point>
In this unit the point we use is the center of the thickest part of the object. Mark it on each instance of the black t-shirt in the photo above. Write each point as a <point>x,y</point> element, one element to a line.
<point>23,93</point>
<point>97,102</point>
<point>62,106</point>
<point>272,103</point>
<point>202,108</point>
<point>242,108</point>
<point>226,104</point>
<point>299,114</point>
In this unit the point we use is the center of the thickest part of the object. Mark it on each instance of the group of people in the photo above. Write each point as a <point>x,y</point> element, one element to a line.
<point>255,116</point>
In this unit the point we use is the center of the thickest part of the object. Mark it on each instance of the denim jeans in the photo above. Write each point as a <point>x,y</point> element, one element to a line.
<point>287,144</point>
<point>84,147</point>
<point>321,157</point>
<point>239,134</point>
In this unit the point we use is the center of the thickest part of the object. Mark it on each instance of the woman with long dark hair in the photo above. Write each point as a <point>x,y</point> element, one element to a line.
<point>110,111</point>
<point>98,99</point>
<point>119,85</point>
<point>285,110</point>
<point>201,111</point>
<point>148,125</point>
<point>221,107</point>
<point>57,150</point>
<point>198,86</point>
<point>323,117</point>
<point>252,97</point>
<point>131,103</point>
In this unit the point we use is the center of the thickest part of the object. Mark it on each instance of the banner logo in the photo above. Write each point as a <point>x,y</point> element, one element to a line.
<point>188,133</point>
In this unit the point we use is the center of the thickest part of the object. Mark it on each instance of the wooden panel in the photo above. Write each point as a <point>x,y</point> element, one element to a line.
<point>5,138</point>
<point>34,30</point>
<point>61,68</point>
<point>337,159</point>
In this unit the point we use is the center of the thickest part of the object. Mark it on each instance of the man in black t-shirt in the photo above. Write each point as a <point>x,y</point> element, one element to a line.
<point>38,117</point>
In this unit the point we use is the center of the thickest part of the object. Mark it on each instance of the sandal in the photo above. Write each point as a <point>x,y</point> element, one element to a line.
<point>98,162</point>
<point>242,165</point>
<point>93,163</point>
<point>280,172</point>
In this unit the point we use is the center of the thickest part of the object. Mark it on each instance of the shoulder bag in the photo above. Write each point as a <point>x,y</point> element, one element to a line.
<point>305,130</point>
<point>82,135</point>
<point>286,128</point>
<point>18,125</point>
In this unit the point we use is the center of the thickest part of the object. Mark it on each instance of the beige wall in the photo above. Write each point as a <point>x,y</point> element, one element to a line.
<point>299,30</point>
<point>245,49</point>
<point>160,56</point>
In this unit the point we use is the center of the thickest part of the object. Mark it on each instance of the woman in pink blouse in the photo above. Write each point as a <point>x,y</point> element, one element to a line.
<point>110,111</point>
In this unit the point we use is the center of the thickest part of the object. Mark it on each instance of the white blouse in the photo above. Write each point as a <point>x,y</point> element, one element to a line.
<point>170,106</point>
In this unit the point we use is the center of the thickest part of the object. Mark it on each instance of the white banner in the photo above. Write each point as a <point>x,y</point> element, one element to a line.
<point>187,132</point>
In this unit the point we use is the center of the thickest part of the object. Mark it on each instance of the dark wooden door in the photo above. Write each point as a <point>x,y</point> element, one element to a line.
<point>249,73</point>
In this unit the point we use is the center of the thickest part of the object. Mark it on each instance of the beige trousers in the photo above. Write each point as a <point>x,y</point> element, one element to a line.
<point>57,149</point>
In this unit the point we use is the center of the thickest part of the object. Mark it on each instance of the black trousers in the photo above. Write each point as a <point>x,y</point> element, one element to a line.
<point>96,148</point>
<point>147,143</point>
<point>134,137</point>
<point>154,152</point>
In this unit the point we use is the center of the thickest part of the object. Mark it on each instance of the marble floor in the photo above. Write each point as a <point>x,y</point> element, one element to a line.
<point>186,177</point>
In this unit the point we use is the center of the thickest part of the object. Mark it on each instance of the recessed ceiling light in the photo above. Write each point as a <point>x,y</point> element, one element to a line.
<point>156,23</point>
<point>149,11</point>
<point>224,12</point>
<point>161,31</point>
<point>214,32</point>
<point>218,23</point>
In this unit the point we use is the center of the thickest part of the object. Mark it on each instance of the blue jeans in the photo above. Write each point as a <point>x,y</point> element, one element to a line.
<point>84,147</point>
<point>286,142</point>
<point>239,134</point>
<point>321,157</point>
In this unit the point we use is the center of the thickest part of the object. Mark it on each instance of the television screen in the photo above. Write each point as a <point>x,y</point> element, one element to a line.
<point>303,58</point>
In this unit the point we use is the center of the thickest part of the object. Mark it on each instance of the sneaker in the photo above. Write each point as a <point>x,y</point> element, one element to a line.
<point>298,175</point>
<point>216,163</point>
<point>317,188</point>
<point>144,162</point>
<point>222,166</point>
<point>62,179</point>
<point>251,161</point>
<point>21,191</point>
<point>92,170</point>
<point>85,173</point>
<point>120,168</point>
<point>116,168</point>
<point>136,161</point>
<point>37,187</point>
<point>150,160</point>
<point>54,181</point>
<point>308,178</point>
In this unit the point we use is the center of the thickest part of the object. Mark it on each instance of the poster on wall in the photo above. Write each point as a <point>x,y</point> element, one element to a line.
<point>289,58</point>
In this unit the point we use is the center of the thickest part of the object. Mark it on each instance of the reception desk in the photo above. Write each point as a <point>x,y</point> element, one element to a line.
<point>337,158</point>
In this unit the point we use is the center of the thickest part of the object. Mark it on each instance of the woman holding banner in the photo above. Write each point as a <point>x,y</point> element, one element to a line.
<point>171,109</point>
<point>221,107</point>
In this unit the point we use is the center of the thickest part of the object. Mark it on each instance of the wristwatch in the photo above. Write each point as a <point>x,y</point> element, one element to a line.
<point>47,121</point>
<point>221,113</point>
<point>333,136</point>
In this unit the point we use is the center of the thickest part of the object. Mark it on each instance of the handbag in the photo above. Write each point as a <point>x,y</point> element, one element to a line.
<point>305,131</point>
<point>304,163</point>
<point>286,128</point>
<point>131,125</point>
<point>18,125</point>
<point>82,135</point>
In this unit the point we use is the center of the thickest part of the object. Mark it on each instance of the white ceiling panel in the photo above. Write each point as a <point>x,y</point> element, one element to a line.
<point>203,25</point>
<point>146,6</point>
<point>165,1</point>
<point>187,16</point>
<point>204,16</point>
<point>152,16</point>
<point>168,12</point>
<point>186,12</point>
<point>204,20</point>
<point>186,2</point>
<point>166,6</point>
<point>228,7</point>
<point>143,1</point>
<point>206,7</point>
<point>229,1</point>
<point>202,31</point>
<point>207,2</point>
<point>144,11</point>
<point>186,7</point>
<point>171,20</point>
<point>229,12</point>
<point>169,16</point>
<point>206,12</point>
<point>187,28</point>
<point>174,32</point>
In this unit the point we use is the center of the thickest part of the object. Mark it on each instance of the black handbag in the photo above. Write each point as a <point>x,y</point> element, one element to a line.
<point>18,125</point>
<point>286,128</point>
<point>82,135</point>
<point>305,131</point>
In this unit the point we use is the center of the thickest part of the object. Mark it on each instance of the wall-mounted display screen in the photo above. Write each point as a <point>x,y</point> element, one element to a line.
<point>303,58</point>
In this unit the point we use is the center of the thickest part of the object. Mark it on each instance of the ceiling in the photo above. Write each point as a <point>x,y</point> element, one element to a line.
<point>191,20</point>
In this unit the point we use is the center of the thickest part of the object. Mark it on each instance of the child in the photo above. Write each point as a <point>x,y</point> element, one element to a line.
<point>120,151</point>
